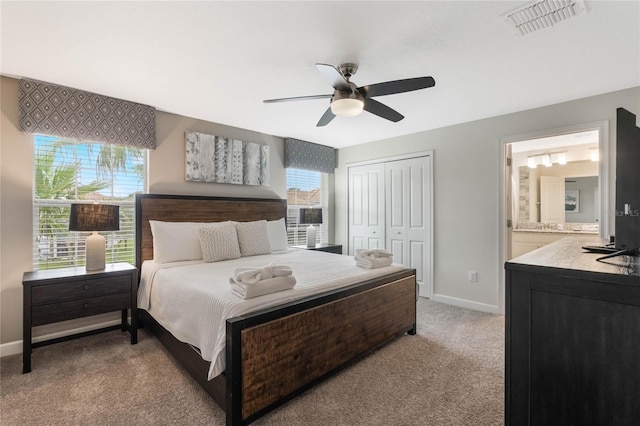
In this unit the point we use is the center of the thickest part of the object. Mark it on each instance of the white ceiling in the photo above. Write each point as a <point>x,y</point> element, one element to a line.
<point>217,61</point>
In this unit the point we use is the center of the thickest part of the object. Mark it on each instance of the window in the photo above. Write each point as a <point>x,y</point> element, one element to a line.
<point>67,171</point>
<point>304,189</point>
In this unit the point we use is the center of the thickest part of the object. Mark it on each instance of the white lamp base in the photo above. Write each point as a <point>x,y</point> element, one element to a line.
<point>311,236</point>
<point>95,252</point>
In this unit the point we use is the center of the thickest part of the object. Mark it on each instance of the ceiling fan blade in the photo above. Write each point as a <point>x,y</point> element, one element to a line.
<point>397,86</point>
<point>333,76</point>
<point>381,110</point>
<point>326,118</point>
<point>297,98</point>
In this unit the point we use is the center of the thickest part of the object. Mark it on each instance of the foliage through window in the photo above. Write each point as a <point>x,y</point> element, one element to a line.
<point>69,171</point>
<point>304,189</point>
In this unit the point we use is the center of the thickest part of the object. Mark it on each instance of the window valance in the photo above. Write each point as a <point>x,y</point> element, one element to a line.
<point>309,156</point>
<point>62,111</point>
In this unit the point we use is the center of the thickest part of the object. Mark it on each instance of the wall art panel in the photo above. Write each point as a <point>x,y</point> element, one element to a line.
<point>222,160</point>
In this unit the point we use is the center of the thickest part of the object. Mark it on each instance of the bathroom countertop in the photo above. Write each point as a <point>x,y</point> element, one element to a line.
<point>557,231</point>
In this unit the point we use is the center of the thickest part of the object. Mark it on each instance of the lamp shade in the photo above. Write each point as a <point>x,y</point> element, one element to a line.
<point>94,217</point>
<point>310,216</point>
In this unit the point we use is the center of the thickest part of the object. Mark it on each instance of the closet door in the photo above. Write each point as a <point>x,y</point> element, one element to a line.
<point>408,210</point>
<point>366,207</point>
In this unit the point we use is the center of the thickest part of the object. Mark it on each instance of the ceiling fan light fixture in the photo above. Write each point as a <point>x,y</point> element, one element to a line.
<point>347,107</point>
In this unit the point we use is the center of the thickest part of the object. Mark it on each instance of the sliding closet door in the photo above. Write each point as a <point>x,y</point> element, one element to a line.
<point>408,211</point>
<point>366,207</point>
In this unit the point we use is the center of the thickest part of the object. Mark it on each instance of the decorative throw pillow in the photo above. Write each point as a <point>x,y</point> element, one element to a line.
<point>219,243</point>
<point>253,238</point>
<point>176,241</point>
<point>277,235</point>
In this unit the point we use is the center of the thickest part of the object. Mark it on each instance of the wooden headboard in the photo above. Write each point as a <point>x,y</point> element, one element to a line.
<point>191,208</point>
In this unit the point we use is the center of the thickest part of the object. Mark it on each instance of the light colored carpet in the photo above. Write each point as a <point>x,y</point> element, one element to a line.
<point>450,373</point>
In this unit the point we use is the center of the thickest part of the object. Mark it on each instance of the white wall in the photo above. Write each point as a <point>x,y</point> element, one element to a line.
<point>467,163</point>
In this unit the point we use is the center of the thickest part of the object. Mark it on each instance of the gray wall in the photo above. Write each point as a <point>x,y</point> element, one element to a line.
<point>467,164</point>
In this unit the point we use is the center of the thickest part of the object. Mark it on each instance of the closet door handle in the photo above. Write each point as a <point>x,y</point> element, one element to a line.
<point>398,232</point>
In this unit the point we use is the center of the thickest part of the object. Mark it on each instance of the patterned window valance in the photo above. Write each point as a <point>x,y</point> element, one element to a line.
<point>62,111</point>
<point>309,156</point>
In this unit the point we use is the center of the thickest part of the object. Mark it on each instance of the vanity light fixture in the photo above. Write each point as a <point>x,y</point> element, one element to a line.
<point>547,160</point>
<point>562,158</point>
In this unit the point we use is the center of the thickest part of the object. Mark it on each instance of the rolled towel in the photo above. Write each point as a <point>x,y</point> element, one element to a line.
<point>373,258</point>
<point>253,275</point>
<point>253,282</point>
<point>262,287</point>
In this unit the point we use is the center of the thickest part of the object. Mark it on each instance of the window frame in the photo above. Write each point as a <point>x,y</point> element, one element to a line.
<point>72,244</point>
<point>296,233</point>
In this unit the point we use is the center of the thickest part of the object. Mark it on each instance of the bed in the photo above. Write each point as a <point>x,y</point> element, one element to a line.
<point>277,351</point>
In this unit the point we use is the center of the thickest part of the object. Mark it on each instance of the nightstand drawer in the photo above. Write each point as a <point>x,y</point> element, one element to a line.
<point>53,293</point>
<point>55,312</point>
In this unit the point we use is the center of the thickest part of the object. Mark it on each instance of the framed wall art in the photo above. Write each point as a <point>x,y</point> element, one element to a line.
<point>572,201</point>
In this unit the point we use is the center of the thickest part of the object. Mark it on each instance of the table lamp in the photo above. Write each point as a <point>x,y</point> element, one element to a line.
<point>311,216</point>
<point>94,218</point>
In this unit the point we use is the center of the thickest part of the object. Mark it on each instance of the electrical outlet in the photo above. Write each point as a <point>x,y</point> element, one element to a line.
<point>473,276</point>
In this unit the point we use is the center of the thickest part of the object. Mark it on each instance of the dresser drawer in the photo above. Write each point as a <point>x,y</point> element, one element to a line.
<point>63,311</point>
<point>52,293</point>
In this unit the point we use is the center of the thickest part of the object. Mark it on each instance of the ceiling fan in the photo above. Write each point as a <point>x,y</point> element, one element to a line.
<point>348,99</point>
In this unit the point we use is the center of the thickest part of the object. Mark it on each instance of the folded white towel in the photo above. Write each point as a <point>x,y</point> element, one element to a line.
<point>372,253</point>
<point>253,282</point>
<point>268,286</point>
<point>376,262</point>
<point>374,258</point>
<point>253,275</point>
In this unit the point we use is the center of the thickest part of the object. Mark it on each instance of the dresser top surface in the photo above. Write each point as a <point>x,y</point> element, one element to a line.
<point>568,254</point>
<point>80,271</point>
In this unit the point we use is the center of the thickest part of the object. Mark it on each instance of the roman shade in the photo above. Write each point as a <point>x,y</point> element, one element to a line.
<point>309,156</point>
<point>65,112</point>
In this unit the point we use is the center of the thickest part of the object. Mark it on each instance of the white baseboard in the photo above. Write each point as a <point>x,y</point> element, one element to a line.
<point>14,348</point>
<point>463,303</point>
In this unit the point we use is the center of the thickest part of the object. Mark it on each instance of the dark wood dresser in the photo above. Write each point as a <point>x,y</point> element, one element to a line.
<point>63,294</point>
<point>572,337</point>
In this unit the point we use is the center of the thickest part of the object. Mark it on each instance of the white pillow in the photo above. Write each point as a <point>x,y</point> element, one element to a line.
<point>253,238</point>
<point>219,243</point>
<point>277,232</point>
<point>176,241</point>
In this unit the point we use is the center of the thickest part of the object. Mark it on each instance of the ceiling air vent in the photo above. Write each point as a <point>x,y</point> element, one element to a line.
<point>543,14</point>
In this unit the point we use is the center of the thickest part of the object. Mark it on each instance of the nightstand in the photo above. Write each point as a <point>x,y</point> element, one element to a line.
<point>328,247</point>
<point>64,294</point>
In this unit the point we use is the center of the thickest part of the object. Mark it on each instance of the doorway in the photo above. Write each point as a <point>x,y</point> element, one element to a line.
<point>557,159</point>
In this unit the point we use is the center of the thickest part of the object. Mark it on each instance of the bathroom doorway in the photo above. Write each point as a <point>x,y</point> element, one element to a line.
<point>558,160</point>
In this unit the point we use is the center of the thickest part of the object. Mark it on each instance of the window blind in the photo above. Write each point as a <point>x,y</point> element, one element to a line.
<point>304,189</point>
<point>69,171</point>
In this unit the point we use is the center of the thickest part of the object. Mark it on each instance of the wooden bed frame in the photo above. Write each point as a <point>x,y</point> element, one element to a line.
<point>275,354</point>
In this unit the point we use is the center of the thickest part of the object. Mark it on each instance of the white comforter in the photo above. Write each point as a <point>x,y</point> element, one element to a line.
<point>192,299</point>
